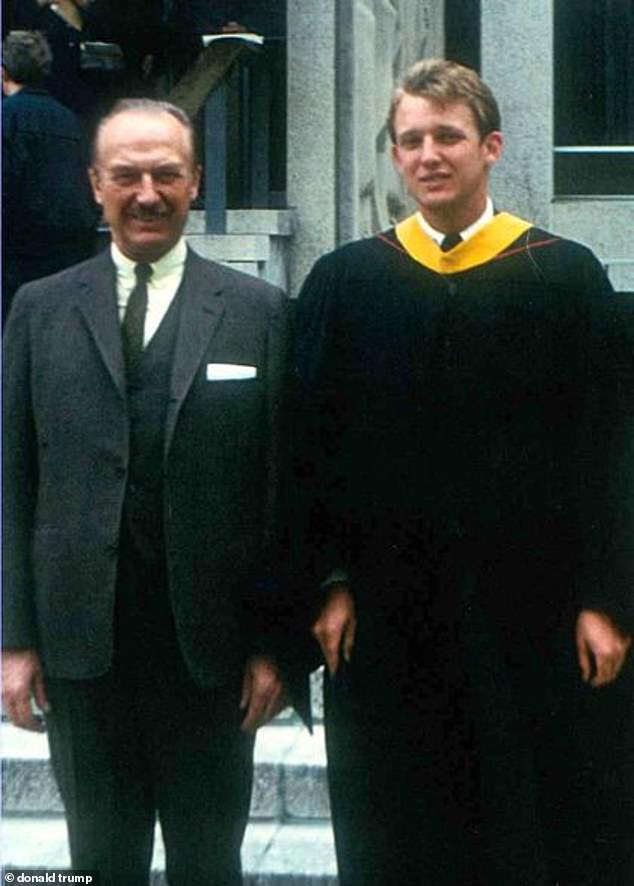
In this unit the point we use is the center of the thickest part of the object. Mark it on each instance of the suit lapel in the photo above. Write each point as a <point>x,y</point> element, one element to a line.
<point>98,306</point>
<point>202,306</point>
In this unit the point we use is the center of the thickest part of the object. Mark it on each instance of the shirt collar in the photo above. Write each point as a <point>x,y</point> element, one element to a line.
<point>170,263</point>
<point>469,231</point>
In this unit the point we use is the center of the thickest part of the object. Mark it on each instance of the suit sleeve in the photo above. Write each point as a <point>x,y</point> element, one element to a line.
<point>267,602</point>
<point>19,478</point>
<point>321,526</point>
<point>612,498</point>
<point>606,579</point>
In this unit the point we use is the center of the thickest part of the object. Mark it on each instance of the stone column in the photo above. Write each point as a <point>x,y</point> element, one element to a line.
<point>377,41</point>
<point>344,57</point>
<point>517,63</point>
<point>311,170</point>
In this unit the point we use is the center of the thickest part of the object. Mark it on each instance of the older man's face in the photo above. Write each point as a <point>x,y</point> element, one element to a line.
<point>145,179</point>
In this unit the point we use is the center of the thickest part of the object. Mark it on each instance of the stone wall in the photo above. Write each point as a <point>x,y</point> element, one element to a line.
<point>392,36</point>
<point>311,170</point>
<point>344,58</point>
<point>518,63</point>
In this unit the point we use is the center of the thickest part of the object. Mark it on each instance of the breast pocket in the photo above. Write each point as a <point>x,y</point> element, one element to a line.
<point>228,412</point>
<point>224,372</point>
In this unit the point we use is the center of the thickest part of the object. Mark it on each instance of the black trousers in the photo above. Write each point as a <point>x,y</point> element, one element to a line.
<point>144,740</point>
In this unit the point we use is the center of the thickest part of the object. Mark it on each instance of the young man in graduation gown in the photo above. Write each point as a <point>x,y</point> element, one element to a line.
<point>456,395</point>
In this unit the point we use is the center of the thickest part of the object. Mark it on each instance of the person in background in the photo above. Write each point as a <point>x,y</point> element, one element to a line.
<point>266,17</point>
<point>144,398</point>
<point>63,24</point>
<point>139,30</point>
<point>49,217</point>
<point>454,527</point>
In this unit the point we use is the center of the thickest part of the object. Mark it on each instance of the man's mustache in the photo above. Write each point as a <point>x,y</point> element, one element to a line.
<point>148,214</point>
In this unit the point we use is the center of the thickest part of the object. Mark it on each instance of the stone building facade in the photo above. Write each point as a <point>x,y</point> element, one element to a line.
<point>344,56</point>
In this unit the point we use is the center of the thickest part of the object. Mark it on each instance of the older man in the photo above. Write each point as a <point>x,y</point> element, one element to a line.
<point>456,392</point>
<point>143,408</point>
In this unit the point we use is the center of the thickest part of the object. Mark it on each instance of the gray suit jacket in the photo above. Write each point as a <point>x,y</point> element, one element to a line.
<point>66,455</point>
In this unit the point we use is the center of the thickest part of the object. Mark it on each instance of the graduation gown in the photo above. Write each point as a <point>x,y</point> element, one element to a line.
<point>452,461</point>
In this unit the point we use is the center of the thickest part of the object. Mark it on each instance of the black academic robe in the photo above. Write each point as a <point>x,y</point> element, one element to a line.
<point>452,461</point>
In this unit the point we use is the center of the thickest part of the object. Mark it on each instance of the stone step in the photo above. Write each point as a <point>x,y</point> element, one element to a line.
<point>259,255</point>
<point>231,247</point>
<point>255,242</point>
<point>274,222</point>
<point>289,780</point>
<point>273,854</point>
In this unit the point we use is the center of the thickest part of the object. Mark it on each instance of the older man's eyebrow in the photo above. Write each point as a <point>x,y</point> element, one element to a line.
<point>169,168</point>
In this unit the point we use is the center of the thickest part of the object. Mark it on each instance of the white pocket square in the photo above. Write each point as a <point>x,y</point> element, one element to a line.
<point>229,371</point>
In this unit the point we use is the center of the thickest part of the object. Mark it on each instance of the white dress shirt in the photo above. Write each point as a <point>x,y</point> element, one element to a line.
<point>162,286</point>
<point>469,231</point>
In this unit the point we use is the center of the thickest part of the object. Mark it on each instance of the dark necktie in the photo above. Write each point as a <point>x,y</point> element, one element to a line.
<point>449,241</point>
<point>134,318</point>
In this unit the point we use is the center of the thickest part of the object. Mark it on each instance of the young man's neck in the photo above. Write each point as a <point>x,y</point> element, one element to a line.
<point>449,222</point>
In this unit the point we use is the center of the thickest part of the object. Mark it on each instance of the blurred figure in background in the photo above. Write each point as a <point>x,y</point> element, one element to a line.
<point>64,26</point>
<point>48,213</point>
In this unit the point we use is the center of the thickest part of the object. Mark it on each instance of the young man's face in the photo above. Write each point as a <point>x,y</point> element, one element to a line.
<point>443,160</point>
<point>145,179</point>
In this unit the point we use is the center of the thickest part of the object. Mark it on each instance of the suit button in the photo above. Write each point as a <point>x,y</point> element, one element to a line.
<point>112,550</point>
<point>119,473</point>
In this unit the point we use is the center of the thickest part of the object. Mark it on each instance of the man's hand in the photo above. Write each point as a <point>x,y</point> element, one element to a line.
<point>335,628</point>
<point>263,693</point>
<point>22,680</point>
<point>234,28</point>
<point>601,647</point>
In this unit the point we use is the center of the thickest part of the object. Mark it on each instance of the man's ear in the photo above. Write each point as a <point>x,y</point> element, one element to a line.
<point>193,191</point>
<point>396,158</point>
<point>494,145</point>
<point>95,182</point>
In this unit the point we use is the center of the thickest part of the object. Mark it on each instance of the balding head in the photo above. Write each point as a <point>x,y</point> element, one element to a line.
<point>144,175</point>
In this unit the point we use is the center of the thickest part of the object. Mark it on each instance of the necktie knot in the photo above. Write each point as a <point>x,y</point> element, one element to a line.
<point>143,273</point>
<point>449,241</point>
